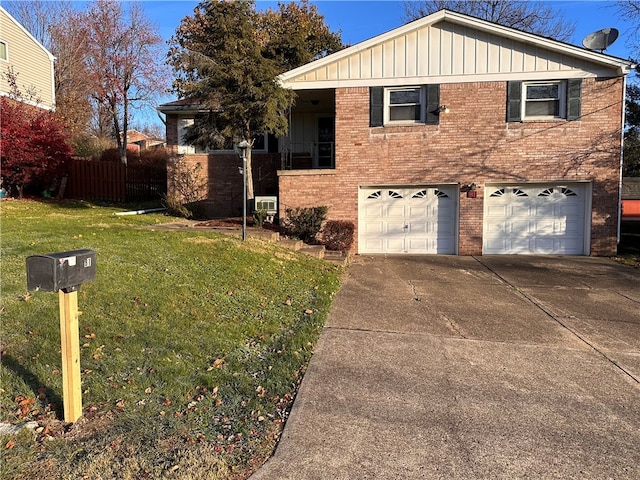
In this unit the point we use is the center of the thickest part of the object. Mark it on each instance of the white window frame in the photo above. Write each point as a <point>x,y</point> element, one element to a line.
<point>183,124</point>
<point>6,51</point>
<point>187,149</point>
<point>388,106</point>
<point>562,99</point>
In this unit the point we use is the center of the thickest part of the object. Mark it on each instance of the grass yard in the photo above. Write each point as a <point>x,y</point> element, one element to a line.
<point>192,346</point>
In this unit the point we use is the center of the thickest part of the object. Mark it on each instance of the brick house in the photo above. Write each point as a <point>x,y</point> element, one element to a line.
<point>450,135</point>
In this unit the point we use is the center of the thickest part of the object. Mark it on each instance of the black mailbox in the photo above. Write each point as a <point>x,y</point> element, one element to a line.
<point>64,271</point>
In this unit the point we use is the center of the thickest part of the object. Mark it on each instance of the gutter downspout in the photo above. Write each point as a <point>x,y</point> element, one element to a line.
<point>624,111</point>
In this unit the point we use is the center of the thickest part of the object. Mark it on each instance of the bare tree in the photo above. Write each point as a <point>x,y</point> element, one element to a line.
<point>529,16</point>
<point>629,10</point>
<point>59,28</point>
<point>122,62</point>
<point>37,17</point>
<point>68,35</point>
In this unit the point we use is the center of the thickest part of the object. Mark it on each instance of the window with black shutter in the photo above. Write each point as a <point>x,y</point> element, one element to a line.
<point>544,100</point>
<point>404,105</point>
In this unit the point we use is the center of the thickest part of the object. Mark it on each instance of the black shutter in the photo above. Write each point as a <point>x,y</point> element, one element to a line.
<point>432,116</point>
<point>376,106</point>
<point>574,98</point>
<point>514,99</point>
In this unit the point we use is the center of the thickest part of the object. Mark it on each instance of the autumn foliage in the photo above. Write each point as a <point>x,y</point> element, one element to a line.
<point>33,146</point>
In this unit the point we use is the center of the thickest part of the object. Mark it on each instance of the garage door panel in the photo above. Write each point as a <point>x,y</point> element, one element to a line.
<point>394,245</point>
<point>569,210</point>
<point>395,227</point>
<point>573,229</point>
<point>544,245</point>
<point>397,211</point>
<point>518,226</point>
<point>497,211</point>
<point>420,212</point>
<point>373,227</point>
<point>535,219</point>
<point>522,210</point>
<point>549,227</point>
<point>418,245</point>
<point>373,211</point>
<point>414,220</point>
<point>373,245</point>
<point>418,228</point>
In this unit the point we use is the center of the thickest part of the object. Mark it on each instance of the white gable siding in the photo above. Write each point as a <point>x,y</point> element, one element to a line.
<point>29,59</point>
<point>445,52</point>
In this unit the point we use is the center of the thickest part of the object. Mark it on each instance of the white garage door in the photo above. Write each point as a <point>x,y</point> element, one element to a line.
<point>535,219</point>
<point>407,220</point>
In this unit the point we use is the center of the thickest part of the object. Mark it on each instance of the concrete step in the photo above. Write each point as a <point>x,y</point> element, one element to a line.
<point>291,243</point>
<point>263,234</point>
<point>316,251</point>
<point>339,258</point>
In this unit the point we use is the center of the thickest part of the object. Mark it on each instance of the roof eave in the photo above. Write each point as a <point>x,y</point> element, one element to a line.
<point>181,109</point>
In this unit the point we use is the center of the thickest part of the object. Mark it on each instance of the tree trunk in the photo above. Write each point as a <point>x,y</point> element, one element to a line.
<point>122,147</point>
<point>250,194</point>
<point>125,126</point>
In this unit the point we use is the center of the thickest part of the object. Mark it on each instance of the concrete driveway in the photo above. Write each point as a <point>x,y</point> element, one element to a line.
<point>472,367</point>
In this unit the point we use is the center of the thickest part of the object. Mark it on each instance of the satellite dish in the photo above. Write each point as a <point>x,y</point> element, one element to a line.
<point>601,39</point>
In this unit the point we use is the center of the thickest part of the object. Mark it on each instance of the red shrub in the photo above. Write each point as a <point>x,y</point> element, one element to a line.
<point>34,147</point>
<point>337,235</point>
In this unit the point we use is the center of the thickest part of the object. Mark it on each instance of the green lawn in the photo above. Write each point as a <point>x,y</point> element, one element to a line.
<point>192,346</point>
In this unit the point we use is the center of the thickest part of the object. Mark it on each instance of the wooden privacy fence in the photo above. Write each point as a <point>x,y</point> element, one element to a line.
<point>114,181</point>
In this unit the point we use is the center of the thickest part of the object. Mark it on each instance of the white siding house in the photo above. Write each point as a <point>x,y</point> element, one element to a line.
<point>26,57</point>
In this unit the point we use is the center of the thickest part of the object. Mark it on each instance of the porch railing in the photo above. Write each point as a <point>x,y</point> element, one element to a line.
<point>308,155</point>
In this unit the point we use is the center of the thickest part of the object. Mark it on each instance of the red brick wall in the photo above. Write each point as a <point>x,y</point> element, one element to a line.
<point>472,144</point>
<point>220,172</point>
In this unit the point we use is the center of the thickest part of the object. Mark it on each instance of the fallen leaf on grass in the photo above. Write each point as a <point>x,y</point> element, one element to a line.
<point>288,302</point>
<point>26,401</point>
<point>10,444</point>
<point>216,364</point>
<point>308,311</point>
<point>120,403</point>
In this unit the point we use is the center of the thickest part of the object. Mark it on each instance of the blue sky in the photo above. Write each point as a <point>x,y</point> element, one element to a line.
<point>362,19</point>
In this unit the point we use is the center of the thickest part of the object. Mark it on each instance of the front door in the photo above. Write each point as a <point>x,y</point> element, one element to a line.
<point>326,138</point>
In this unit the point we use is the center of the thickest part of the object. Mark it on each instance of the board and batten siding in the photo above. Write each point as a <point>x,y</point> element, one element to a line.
<point>32,63</point>
<point>445,52</point>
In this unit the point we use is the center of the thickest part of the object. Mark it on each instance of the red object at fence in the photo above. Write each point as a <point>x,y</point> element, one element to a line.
<point>630,209</point>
